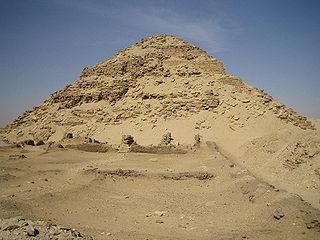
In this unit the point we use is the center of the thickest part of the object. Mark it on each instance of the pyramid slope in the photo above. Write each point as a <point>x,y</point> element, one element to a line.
<point>158,80</point>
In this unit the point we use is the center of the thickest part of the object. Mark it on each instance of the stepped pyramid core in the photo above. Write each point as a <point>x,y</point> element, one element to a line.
<point>158,79</point>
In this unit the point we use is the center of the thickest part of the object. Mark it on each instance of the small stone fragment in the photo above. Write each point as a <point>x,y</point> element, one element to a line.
<point>278,214</point>
<point>39,143</point>
<point>159,213</point>
<point>166,139</point>
<point>10,228</point>
<point>69,135</point>
<point>29,142</point>
<point>31,231</point>
<point>127,139</point>
<point>197,139</point>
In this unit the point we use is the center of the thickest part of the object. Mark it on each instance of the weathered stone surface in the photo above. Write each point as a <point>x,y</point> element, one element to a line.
<point>127,139</point>
<point>166,139</point>
<point>19,228</point>
<point>159,77</point>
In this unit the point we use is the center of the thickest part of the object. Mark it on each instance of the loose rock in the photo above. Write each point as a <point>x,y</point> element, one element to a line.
<point>278,214</point>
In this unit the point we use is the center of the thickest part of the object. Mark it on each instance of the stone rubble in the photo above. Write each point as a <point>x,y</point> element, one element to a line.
<point>159,77</point>
<point>19,228</point>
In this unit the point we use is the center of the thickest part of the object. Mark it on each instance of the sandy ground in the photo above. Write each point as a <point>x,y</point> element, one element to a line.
<point>198,195</point>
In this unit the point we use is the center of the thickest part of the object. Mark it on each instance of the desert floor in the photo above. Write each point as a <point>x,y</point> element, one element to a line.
<point>197,195</point>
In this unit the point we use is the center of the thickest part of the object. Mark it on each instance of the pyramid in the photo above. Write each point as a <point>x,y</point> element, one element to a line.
<point>162,136</point>
<point>159,83</point>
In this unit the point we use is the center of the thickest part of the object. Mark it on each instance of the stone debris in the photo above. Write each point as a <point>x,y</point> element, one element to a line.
<point>127,142</point>
<point>278,214</point>
<point>29,142</point>
<point>40,143</point>
<point>301,152</point>
<point>177,176</point>
<point>159,213</point>
<point>17,156</point>
<point>166,139</point>
<point>313,224</point>
<point>6,177</point>
<point>197,139</point>
<point>31,231</point>
<point>127,139</point>
<point>69,135</point>
<point>19,228</point>
<point>159,77</point>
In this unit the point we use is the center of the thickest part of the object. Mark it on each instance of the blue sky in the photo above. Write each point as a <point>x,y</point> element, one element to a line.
<point>271,44</point>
